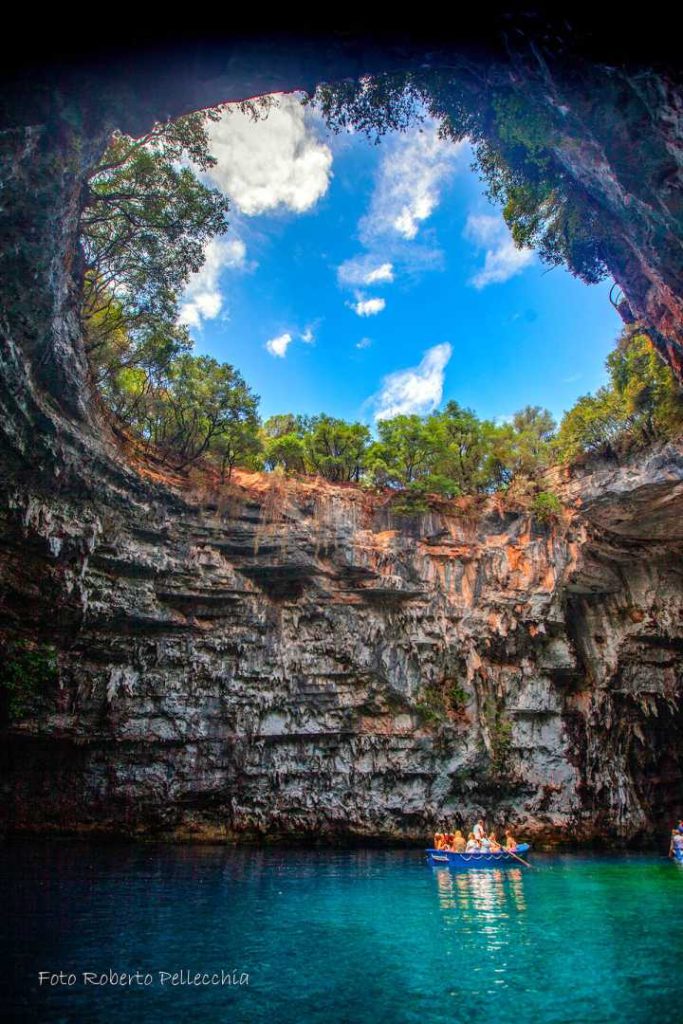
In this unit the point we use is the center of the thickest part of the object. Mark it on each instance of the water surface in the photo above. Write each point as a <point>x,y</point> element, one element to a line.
<point>353,936</point>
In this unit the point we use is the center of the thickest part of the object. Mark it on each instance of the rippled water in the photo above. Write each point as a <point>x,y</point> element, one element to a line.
<point>361,936</point>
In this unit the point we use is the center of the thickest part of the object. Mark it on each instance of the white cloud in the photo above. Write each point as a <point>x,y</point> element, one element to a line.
<point>412,173</point>
<point>415,167</point>
<point>308,336</point>
<point>202,298</point>
<point>277,161</point>
<point>416,390</point>
<point>383,273</point>
<point>503,259</point>
<point>278,346</point>
<point>365,270</point>
<point>364,343</point>
<point>368,307</point>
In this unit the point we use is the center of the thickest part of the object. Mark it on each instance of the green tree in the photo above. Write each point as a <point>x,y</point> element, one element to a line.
<point>285,423</point>
<point>532,434</point>
<point>336,449</point>
<point>203,405</point>
<point>641,403</point>
<point>283,440</point>
<point>593,424</point>
<point>146,220</point>
<point>404,452</point>
<point>287,451</point>
<point>650,395</point>
<point>461,449</point>
<point>239,444</point>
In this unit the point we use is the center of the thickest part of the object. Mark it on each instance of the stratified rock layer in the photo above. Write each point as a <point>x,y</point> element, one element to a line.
<point>300,663</point>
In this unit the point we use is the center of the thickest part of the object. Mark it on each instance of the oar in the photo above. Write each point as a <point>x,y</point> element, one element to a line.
<point>520,859</point>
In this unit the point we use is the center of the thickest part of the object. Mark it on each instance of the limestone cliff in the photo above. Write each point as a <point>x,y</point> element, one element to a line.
<point>303,662</point>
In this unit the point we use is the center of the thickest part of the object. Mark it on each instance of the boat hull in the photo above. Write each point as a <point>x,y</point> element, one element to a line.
<point>480,860</point>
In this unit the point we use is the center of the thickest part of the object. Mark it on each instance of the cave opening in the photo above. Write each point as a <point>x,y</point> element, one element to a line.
<point>176,596</point>
<point>533,203</point>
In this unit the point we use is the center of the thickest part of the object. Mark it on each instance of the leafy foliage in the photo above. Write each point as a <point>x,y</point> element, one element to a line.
<point>144,227</point>
<point>146,220</point>
<point>28,671</point>
<point>642,403</point>
<point>499,727</point>
<point>546,506</point>
<point>336,449</point>
<point>197,407</point>
<point>448,453</point>
<point>323,445</point>
<point>453,452</point>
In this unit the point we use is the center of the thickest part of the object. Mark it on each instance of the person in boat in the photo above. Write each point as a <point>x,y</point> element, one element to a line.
<point>679,827</point>
<point>510,842</point>
<point>458,845</point>
<point>485,844</point>
<point>478,831</point>
<point>494,845</point>
<point>439,841</point>
<point>472,845</point>
<point>676,843</point>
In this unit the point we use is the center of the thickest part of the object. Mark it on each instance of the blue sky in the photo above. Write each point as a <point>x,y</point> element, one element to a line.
<point>364,280</point>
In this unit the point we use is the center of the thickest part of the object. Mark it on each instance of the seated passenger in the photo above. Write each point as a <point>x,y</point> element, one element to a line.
<point>494,844</point>
<point>485,844</point>
<point>448,841</point>
<point>458,842</point>
<point>439,840</point>
<point>472,844</point>
<point>676,842</point>
<point>510,842</point>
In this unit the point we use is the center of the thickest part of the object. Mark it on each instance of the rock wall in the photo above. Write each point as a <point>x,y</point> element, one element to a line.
<point>300,662</point>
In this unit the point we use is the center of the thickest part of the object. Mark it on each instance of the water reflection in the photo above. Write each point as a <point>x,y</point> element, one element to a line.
<point>483,914</point>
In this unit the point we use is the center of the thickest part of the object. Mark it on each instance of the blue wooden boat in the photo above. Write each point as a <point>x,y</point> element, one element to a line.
<point>478,859</point>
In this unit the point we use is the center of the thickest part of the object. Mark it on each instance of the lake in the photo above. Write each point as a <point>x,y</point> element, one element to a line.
<point>212,934</point>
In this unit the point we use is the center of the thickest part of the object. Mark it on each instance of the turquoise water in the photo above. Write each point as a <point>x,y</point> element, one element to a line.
<point>356,936</point>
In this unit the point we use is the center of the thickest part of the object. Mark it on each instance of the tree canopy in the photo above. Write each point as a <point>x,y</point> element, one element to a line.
<point>641,403</point>
<point>145,223</point>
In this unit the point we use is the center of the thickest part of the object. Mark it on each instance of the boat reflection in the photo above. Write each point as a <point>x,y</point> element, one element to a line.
<point>485,905</point>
